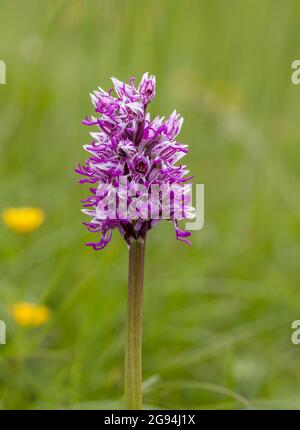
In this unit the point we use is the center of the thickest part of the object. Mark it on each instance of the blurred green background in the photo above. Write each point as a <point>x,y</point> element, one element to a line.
<point>217,315</point>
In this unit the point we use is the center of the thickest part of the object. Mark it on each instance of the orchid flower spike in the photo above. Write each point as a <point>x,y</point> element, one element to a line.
<point>129,157</point>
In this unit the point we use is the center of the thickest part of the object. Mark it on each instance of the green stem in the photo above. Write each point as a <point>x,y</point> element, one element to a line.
<point>133,349</point>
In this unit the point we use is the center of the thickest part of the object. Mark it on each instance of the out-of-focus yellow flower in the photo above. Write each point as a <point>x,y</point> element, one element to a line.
<point>28,314</point>
<point>229,95</point>
<point>24,219</point>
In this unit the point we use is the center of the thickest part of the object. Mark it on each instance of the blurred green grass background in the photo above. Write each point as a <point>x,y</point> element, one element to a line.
<point>217,315</point>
